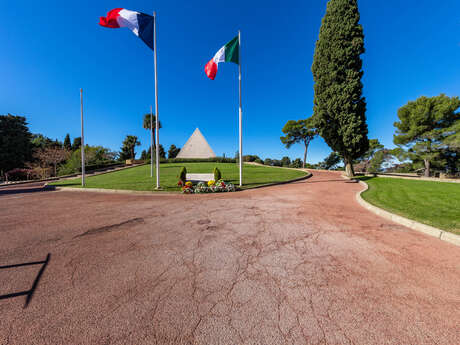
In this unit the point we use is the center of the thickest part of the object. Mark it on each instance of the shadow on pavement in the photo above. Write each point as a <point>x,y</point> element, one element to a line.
<point>28,293</point>
<point>25,189</point>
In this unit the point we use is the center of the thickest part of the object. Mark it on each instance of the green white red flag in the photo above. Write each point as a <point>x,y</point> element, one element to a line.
<point>228,53</point>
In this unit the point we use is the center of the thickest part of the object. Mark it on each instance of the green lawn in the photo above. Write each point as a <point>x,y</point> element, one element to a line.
<point>138,178</point>
<point>433,203</point>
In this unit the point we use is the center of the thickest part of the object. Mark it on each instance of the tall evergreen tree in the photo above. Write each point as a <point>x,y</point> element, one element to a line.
<point>15,145</point>
<point>173,151</point>
<point>339,107</point>
<point>67,144</point>
<point>76,143</point>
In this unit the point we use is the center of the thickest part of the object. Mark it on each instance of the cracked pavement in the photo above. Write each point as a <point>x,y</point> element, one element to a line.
<point>300,263</point>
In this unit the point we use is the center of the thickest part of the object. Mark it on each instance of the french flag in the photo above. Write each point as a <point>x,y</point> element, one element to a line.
<point>139,23</point>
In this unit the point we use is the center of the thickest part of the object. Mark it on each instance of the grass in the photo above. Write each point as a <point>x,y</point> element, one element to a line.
<point>139,179</point>
<point>433,203</point>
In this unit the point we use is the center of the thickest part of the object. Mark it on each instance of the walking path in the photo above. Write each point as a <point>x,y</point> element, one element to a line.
<point>301,263</point>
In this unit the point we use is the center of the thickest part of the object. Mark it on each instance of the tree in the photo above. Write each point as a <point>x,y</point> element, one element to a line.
<point>339,107</point>
<point>425,127</point>
<point>76,143</point>
<point>15,142</point>
<point>364,162</point>
<point>128,147</point>
<point>146,125</point>
<point>146,154</point>
<point>94,155</point>
<point>173,151</point>
<point>297,163</point>
<point>299,131</point>
<point>268,161</point>
<point>162,151</point>
<point>67,144</point>
<point>285,161</point>
<point>452,136</point>
<point>39,141</point>
<point>52,156</point>
<point>331,161</point>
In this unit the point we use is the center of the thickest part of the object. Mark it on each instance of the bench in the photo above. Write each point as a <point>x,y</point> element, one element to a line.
<point>200,177</point>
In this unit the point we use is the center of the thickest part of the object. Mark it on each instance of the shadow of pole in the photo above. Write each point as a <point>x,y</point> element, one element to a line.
<point>28,293</point>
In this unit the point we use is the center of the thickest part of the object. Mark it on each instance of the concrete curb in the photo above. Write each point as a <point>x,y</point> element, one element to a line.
<point>280,183</point>
<point>110,191</point>
<point>96,172</point>
<point>412,224</point>
<point>139,192</point>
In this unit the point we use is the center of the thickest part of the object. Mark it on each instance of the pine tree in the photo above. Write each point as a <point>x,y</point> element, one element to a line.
<point>67,144</point>
<point>339,107</point>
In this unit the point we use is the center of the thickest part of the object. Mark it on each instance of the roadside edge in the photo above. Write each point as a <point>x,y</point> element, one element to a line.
<point>412,224</point>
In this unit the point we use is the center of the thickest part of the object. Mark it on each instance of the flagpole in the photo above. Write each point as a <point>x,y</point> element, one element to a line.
<point>151,142</point>
<point>82,142</point>
<point>240,125</point>
<point>157,139</point>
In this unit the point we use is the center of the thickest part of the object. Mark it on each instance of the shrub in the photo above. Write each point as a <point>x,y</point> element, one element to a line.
<point>259,161</point>
<point>19,174</point>
<point>296,163</point>
<point>217,174</point>
<point>250,158</point>
<point>183,174</point>
<point>268,161</point>
<point>285,161</point>
<point>276,163</point>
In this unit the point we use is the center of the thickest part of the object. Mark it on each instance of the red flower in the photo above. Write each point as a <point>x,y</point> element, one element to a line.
<point>180,183</point>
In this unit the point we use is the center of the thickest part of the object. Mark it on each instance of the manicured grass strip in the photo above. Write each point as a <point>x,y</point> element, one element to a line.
<point>433,203</point>
<point>138,178</point>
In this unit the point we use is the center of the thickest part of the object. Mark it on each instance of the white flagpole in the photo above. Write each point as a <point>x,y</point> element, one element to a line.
<point>156,101</point>
<point>82,142</point>
<point>240,125</point>
<point>151,142</point>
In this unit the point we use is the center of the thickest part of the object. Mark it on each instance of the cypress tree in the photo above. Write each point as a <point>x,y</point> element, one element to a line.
<point>339,107</point>
<point>67,144</point>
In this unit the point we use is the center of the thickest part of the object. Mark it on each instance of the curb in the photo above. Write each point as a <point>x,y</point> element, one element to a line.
<point>139,192</point>
<point>280,183</point>
<point>412,224</point>
<point>110,191</point>
<point>95,172</point>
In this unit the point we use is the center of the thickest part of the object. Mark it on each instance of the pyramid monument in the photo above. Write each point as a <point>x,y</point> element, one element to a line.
<point>196,147</point>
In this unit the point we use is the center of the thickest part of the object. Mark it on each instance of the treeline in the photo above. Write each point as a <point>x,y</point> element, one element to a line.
<point>329,163</point>
<point>26,156</point>
<point>427,140</point>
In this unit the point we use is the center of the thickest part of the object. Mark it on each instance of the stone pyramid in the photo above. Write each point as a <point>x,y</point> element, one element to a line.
<point>196,147</point>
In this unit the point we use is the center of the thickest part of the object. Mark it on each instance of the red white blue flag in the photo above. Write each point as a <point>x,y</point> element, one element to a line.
<point>139,23</point>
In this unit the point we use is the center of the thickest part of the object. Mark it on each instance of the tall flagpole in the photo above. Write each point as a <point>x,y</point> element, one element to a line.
<point>157,139</point>
<point>82,142</point>
<point>240,125</point>
<point>151,142</point>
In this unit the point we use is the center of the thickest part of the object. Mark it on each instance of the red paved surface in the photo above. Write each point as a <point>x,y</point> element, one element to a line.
<point>293,264</point>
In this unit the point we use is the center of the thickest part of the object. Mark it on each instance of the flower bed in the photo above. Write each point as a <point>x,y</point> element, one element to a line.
<point>210,187</point>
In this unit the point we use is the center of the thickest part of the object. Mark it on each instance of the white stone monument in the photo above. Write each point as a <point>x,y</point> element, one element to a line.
<point>196,147</point>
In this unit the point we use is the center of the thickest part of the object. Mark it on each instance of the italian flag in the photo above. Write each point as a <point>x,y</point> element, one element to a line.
<point>228,53</point>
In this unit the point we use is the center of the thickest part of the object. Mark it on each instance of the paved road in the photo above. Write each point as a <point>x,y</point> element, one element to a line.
<point>295,264</point>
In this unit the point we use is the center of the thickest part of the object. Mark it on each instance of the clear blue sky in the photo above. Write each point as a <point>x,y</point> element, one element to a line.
<point>52,48</point>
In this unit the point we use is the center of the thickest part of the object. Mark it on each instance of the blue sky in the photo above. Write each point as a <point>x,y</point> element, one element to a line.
<point>52,48</point>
